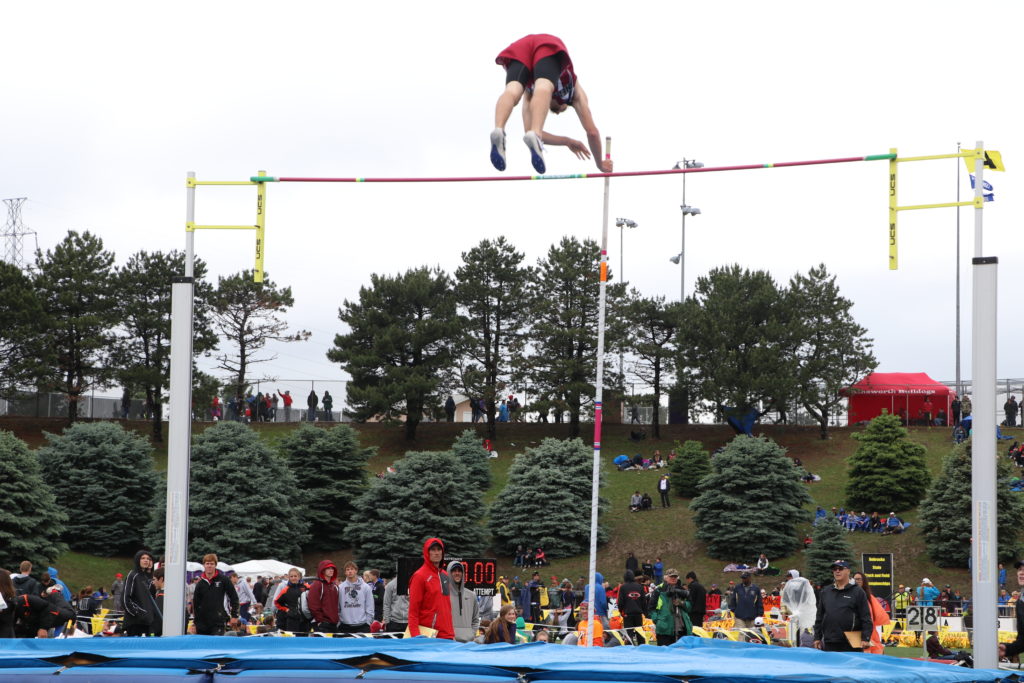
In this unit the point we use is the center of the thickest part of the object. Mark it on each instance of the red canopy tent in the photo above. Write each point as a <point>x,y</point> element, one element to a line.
<point>898,393</point>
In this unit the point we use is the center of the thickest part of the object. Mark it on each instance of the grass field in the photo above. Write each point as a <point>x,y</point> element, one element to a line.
<point>665,533</point>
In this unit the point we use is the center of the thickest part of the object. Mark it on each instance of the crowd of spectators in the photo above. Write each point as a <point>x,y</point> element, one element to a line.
<point>873,523</point>
<point>354,602</point>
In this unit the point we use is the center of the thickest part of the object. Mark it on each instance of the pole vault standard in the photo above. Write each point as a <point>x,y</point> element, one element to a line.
<point>180,425</point>
<point>984,515</point>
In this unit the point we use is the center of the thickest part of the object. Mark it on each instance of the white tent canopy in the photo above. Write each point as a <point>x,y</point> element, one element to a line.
<point>198,566</point>
<point>256,568</point>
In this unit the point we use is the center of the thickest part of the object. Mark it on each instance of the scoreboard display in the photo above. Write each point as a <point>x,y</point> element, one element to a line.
<point>481,573</point>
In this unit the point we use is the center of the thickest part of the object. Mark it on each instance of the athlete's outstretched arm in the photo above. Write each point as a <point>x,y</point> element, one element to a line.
<point>582,106</point>
<point>575,146</point>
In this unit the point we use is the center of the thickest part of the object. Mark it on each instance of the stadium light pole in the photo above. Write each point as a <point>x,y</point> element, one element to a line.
<point>622,224</point>
<point>686,211</point>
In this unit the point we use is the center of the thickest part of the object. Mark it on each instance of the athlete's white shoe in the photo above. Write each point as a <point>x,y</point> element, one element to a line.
<point>498,148</point>
<point>536,151</point>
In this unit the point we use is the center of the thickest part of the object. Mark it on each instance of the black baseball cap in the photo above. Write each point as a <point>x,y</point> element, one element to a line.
<point>840,563</point>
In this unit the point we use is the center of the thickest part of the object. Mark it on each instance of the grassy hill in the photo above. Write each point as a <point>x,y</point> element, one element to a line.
<point>665,533</point>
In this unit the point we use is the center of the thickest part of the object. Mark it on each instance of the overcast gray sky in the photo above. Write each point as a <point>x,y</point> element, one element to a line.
<point>107,106</point>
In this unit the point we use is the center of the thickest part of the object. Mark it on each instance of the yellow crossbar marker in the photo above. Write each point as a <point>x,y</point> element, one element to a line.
<point>934,206</point>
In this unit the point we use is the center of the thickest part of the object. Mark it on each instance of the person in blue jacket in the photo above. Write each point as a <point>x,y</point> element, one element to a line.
<point>600,598</point>
<point>927,593</point>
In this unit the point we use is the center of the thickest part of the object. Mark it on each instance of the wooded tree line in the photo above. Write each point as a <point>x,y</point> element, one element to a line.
<point>748,498</point>
<point>497,325</point>
<point>77,322</point>
<point>94,489</point>
<point>740,342</point>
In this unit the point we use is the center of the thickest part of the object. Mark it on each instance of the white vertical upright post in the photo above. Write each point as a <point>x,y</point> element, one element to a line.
<point>598,396</point>
<point>682,244</point>
<point>985,542</point>
<point>179,433</point>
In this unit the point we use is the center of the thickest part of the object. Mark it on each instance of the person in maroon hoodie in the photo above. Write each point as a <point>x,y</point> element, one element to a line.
<point>429,591</point>
<point>323,598</point>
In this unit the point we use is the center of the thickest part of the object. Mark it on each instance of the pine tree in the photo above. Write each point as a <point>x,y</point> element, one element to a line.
<point>547,500</point>
<point>946,511</point>
<point>103,476</point>
<point>471,452</point>
<point>738,340</point>
<point>249,314</point>
<point>833,350</point>
<point>31,522</point>
<point>143,351</point>
<point>402,332</point>
<point>692,464</point>
<point>76,284</point>
<point>23,356</point>
<point>887,471</point>
<point>330,469</point>
<point>829,543</point>
<point>430,495</point>
<point>652,335</point>
<point>563,363</point>
<point>244,502</point>
<point>751,502</point>
<point>492,296</point>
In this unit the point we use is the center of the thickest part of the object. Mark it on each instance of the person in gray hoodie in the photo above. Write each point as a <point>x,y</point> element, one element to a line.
<point>465,610</point>
<point>356,602</point>
<point>396,608</point>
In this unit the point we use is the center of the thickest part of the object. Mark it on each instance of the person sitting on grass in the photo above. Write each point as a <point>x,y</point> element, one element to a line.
<point>634,502</point>
<point>936,650</point>
<point>893,525</point>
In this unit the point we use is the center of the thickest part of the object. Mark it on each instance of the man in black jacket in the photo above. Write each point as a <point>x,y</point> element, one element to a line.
<point>698,599</point>
<point>842,609</point>
<point>24,584</point>
<point>58,612</point>
<point>632,606</point>
<point>140,611</point>
<point>208,601</point>
<point>32,618</point>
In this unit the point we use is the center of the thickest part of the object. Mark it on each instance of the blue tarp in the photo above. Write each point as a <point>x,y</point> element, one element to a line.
<point>741,422</point>
<point>426,660</point>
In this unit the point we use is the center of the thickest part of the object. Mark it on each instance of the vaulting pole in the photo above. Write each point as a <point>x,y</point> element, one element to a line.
<point>598,395</point>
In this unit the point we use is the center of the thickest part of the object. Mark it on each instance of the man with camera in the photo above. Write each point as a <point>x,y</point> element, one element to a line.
<point>669,607</point>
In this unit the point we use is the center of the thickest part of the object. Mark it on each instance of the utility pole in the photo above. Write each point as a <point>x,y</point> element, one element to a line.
<point>14,234</point>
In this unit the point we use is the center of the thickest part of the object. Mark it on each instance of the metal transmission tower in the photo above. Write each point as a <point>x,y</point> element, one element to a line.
<point>14,234</point>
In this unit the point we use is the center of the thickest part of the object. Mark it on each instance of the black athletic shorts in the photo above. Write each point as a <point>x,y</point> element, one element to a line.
<point>550,68</point>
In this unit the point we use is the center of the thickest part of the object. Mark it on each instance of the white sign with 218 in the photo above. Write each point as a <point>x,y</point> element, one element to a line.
<point>922,618</point>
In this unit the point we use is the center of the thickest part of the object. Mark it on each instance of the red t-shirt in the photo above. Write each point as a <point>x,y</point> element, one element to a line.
<point>531,49</point>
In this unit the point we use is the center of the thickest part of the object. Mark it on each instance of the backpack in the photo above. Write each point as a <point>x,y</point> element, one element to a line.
<point>304,601</point>
<point>85,605</point>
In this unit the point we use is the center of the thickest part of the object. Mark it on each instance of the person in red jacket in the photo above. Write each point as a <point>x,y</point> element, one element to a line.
<point>429,591</point>
<point>323,598</point>
<point>287,398</point>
